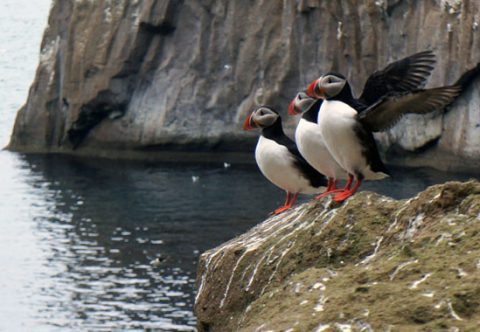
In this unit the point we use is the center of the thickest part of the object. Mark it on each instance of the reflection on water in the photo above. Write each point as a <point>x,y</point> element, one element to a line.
<point>78,236</point>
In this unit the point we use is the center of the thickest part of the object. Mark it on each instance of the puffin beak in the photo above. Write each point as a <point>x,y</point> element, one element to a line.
<point>314,92</point>
<point>246,124</point>
<point>291,108</point>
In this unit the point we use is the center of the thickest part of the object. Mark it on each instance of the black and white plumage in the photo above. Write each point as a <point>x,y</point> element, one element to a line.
<point>279,160</point>
<point>310,142</point>
<point>347,124</point>
<point>403,75</point>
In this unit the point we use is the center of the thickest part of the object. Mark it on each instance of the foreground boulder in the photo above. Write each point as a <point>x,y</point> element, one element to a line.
<point>371,263</point>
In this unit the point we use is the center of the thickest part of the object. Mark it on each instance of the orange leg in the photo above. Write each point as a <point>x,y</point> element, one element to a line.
<point>349,182</point>
<point>331,188</point>
<point>340,197</point>
<point>289,201</point>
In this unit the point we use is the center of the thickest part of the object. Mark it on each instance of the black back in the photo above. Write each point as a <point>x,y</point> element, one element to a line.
<point>275,133</point>
<point>312,114</point>
<point>347,97</point>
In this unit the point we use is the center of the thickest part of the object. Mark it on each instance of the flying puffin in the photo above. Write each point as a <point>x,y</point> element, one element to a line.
<point>310,142</point>
<point>347,123</point>
<point>279,160</point>
<point>402,75</point>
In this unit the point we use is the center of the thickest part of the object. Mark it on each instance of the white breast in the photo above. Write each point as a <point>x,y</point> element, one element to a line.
<point>312,147</point>
<point>277,164</point>
<point>337,122</point>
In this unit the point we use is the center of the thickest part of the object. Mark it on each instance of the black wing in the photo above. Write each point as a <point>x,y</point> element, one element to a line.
<point>370,150</point>
<point>466,79</point>
<point>316,178</point>
<point>407,74</point>
<point>391,108</point>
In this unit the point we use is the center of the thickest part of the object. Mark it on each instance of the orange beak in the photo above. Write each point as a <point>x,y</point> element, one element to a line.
<point>311,88</point>
<point>312,93</point>
<point>291,108</point>
<point>246,124</point>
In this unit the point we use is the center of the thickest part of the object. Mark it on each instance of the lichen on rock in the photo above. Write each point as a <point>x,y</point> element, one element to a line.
<point>373,263</point>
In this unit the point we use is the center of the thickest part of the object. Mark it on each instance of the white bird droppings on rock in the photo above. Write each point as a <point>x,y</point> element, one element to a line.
<point>375,251</point>
<point>320,306</point>
<point>415,284</point>
<point>428,294</point>
<point>343,327</point>
<point>322,327</point>
<point>461,273</point>
<point>319,285</point>
<point>400,267</point>
<point>452,312</point>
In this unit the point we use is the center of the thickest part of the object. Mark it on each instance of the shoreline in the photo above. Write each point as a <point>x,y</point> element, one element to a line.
<point>436,160</point>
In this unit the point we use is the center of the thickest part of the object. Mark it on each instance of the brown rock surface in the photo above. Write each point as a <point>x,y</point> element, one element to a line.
<point>148,75</point>
<point>371,264</point>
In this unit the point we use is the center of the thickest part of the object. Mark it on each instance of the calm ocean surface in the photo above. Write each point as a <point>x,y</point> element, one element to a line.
<point>78,235</point>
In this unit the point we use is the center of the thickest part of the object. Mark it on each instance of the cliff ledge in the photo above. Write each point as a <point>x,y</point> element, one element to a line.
<point>373,263</point>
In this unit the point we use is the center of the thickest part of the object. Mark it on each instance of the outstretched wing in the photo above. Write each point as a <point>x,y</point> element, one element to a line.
<point>467,78</point>
<point>407,74</point>
<point>391,108</point>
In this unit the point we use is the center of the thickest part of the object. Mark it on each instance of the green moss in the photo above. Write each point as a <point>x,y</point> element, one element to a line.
<point>371,262</point>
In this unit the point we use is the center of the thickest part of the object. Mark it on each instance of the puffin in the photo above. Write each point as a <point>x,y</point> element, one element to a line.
<point>279,160</point>
<point>347,123</point>
<point>402,75</point>
<point>311,144</point>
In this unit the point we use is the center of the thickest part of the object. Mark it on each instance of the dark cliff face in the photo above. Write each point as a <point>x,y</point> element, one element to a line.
<point>136,75</point>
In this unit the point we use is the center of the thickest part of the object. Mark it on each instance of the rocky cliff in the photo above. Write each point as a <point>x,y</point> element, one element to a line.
<point>371,264</point>
<point>149,75</point>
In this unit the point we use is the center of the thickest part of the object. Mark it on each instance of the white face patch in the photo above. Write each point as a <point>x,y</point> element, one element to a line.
<point>332,85</point>
<point>303,105</point>
<point>264,117</point>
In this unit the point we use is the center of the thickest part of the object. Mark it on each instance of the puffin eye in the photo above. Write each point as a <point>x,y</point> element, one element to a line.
<point>329,80</point>
<point>299,97</point>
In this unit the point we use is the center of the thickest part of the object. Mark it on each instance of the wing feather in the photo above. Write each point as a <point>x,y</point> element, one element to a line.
<point>407,74</point>
<point>386,112</point>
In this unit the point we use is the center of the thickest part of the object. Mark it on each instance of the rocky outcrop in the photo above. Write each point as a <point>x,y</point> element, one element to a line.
<point>151,75</point>
<point>373,263</point>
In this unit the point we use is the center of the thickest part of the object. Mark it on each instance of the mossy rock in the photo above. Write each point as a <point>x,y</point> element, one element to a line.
<point>372,263</point>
